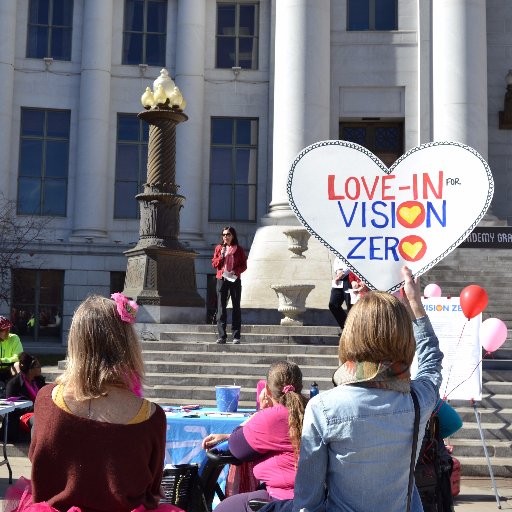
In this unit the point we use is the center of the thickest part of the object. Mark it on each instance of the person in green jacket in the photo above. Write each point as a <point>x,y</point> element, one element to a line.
<point>10,347</point>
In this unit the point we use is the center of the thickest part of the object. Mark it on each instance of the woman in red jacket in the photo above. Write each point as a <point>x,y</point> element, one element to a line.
<point>230,261</point>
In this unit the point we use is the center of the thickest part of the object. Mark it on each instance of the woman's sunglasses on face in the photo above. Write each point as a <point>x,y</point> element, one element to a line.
<point>226,234</point>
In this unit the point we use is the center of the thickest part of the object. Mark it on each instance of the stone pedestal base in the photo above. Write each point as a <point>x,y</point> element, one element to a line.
<point>170,315</point>
<point>269,263</point>
<point>161,276</point>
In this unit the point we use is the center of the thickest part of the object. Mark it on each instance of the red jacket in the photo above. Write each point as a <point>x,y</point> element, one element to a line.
<point>239,265</point>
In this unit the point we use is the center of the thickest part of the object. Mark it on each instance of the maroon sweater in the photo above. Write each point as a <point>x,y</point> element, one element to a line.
<point>94,465</point>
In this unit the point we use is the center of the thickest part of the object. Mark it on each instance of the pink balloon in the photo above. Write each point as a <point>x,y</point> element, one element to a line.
<point>432,290</point>
<point>493,333</point>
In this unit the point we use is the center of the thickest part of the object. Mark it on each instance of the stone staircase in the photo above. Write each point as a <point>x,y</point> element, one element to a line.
<point>495,412</point>
<point>183,365</point>
<point>489,268</point>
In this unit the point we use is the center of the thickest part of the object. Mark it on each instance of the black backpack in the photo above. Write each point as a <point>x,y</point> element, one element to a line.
<point>433,471</point>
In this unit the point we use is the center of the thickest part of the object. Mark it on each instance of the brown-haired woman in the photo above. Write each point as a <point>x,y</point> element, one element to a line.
<point>271,437</point>
<point>361,432</point>
<point>230,261</point>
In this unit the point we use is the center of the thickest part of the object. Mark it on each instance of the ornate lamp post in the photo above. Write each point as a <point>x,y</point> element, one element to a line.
<point>160,274</point>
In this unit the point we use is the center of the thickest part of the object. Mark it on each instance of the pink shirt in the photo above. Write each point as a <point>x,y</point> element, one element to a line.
<point>267,432</point>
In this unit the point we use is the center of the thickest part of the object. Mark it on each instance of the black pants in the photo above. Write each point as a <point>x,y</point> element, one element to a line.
<point>226,289</point>
<point>338,296</point>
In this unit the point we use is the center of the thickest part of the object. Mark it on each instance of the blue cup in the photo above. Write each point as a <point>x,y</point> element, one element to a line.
<point>227,398</point>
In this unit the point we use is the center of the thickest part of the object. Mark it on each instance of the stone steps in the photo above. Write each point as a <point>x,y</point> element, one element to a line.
<point>243,348</point>
<point>486,415</point>
<point>488,268</point>
<point>477,466</point>
<point>474,447</point>
<point>227,357</point>
<point>183,365</point>
<point>251,338</point>
<point>220,369</point>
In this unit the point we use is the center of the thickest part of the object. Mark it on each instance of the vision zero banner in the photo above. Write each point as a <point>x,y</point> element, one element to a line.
<point>460,344</point>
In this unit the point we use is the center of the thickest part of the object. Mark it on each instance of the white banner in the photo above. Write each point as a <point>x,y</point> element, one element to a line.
<point>460,344</point>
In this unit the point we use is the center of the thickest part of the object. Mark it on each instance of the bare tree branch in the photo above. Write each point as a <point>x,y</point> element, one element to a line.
<point>17,233</point>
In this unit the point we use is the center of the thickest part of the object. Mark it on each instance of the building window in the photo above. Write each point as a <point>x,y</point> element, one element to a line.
<point>144,34</point>
<point>372,15</point>
<point>37,299</point>
<point>131,163</point>
<point>233,168</point>
<point>50,26</point>
<point>383,139</point>
<point>43,162</point>
<point>237,35</point>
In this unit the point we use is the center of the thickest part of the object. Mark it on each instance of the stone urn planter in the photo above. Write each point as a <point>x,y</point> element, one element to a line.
<point>292,301</point>
<point>297,241</point>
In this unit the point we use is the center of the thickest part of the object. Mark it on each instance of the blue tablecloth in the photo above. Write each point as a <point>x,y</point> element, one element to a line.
<point>186,430</point>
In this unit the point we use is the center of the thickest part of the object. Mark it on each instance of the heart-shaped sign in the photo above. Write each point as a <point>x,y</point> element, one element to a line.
<point>378,219</point>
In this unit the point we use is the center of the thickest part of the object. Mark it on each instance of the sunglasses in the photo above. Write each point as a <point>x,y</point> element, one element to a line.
<point>227,234</point>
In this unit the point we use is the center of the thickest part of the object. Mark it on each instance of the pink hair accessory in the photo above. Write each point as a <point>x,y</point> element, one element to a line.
<point>288,388</point>
<point>126,308</point>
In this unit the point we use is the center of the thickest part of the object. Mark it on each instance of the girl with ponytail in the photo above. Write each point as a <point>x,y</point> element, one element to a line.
<point>271,438</point>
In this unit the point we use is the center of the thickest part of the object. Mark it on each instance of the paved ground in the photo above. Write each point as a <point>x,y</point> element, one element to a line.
<point>477,494</point>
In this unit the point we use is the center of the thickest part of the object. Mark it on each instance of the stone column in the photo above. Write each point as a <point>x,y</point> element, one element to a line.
<point>301,116</point>
<point>92,172</point>
<point>459,58</point>
<point>7,46</point>
<point>459,76</point>
<point>301,88</point>
<point>189,77</point>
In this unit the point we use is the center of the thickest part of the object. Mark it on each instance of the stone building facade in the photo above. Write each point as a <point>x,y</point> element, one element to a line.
<point>262,80</point>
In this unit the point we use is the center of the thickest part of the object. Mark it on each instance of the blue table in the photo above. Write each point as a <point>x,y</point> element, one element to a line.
<point>186,430</point>
<point>6,407</point>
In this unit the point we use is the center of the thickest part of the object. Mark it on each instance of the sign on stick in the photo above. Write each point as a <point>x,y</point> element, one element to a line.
<point>378,219</point>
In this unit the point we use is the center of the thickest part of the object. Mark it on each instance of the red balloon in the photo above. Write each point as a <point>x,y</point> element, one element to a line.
<point>473,300</point>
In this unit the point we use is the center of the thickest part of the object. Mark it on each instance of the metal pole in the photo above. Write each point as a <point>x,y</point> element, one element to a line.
<point>477,415</point>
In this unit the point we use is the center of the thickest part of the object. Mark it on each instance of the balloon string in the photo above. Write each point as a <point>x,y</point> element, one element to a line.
<point>469,376</point>
<point>455,349</point>
<point>445,397</point>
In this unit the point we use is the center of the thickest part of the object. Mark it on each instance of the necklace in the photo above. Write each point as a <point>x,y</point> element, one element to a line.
<point>89,413</point>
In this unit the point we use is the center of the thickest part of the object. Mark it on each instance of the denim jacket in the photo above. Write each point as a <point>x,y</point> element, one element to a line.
<point>357,441</point>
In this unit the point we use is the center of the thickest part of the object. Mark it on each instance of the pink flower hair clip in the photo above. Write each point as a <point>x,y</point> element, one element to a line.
<point>126,308</point>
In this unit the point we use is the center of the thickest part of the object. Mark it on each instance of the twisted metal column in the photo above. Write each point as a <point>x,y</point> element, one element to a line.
<point>161,271</point>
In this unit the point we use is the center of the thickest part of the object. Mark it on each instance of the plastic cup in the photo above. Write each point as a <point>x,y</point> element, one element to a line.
<point>227,398</point>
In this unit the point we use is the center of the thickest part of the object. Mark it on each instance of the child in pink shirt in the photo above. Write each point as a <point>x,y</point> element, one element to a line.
<point>271,438</point>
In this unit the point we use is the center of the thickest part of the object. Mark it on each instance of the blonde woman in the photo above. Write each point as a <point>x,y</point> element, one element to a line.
<point>271,438</point>
<point>96,445</point>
